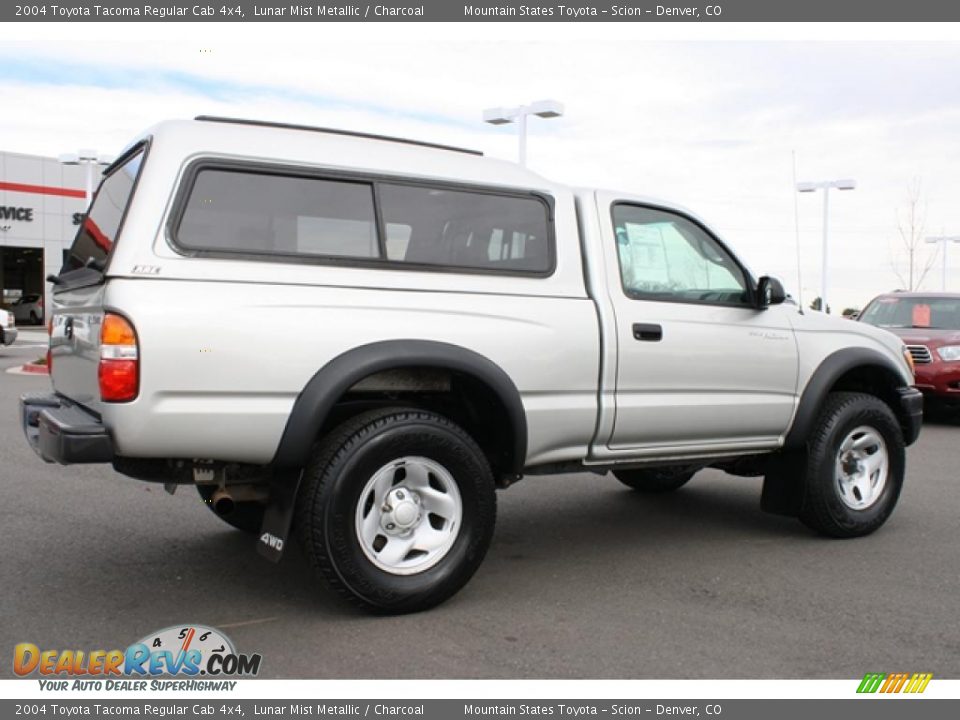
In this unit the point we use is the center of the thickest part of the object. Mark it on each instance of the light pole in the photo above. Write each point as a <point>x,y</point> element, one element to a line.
<point>519,114</point>
<point>825,185</point>
<point>946,240</point>
<point>89,159</point>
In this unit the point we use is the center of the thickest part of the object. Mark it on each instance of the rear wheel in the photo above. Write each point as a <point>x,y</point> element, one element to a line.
<point>655,480</point>
<point>855,466</point>
<point>397,509</point>
<point>245,516</point>
<point>34,319</point>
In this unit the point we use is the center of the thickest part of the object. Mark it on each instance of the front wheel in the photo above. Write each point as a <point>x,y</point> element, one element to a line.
<point>397,509</point>
<point>855,466</point>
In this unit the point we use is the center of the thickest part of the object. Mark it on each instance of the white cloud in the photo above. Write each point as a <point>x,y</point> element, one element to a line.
<point>711,125</point>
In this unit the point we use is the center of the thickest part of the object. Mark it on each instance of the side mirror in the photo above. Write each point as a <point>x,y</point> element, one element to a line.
<point>769,292</point>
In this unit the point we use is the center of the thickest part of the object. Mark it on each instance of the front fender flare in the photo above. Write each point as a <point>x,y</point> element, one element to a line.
<point>833,367</point>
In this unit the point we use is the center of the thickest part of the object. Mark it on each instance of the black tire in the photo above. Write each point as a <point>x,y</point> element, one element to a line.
<point>655,480</point>
<point>334,480</point>
<point>824,509</point>
<point>34,320</point>
<point>245,516</point>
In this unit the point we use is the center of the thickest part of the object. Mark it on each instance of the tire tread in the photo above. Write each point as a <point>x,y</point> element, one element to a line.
<point>318,476</point>
<point>817,512</point>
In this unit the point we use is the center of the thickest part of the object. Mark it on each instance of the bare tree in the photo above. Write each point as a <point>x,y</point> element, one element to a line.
<point>907,261</point>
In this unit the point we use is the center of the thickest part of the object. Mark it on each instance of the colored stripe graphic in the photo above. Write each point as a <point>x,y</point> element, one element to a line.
<point>895,683</point>
<point>871,682</point>
<point>900,682</point>
<point>889,682</point>
<point>42,190</point>
<point>920,683</point>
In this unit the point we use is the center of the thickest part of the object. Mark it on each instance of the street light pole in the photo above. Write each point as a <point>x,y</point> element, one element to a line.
<point>945,240</point>
<point>823,268</point>
<point>90,160</point>
<point>522,123</point>
<point>825,185</point>
<point>502,116</point>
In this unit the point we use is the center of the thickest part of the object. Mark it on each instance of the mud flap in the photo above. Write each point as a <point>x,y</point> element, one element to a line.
<point>279,514</point>
<point>783,484</point>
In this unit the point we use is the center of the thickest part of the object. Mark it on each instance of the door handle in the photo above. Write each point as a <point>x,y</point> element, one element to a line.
<point>647,332</point>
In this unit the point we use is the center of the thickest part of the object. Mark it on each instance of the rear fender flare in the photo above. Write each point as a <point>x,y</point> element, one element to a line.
<point>332,380</point>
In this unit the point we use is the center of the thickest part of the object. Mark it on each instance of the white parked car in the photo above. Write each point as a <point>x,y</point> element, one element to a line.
<point>441,324</point>
<point>8,328</point>
<point>28,309</point>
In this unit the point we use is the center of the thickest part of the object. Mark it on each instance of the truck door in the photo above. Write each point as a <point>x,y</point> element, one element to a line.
<point>699,368</point>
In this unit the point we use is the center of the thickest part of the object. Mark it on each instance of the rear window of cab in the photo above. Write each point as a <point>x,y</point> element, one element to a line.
<point>270,214</point>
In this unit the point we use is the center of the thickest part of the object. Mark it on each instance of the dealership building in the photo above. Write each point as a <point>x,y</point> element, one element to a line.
<point>42,202</point>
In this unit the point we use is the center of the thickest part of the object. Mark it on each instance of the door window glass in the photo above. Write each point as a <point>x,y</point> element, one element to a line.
<point>664,256</point>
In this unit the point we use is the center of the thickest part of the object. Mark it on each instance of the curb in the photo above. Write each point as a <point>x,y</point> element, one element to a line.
<point>34,369</point>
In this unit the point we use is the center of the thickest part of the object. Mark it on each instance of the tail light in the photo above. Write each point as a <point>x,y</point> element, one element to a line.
<point>119,369</point>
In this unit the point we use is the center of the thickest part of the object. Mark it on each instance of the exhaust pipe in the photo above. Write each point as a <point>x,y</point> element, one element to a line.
<point>222,502</point>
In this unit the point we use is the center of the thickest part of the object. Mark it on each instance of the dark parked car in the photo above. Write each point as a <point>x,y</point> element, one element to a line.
<point>929,325</point>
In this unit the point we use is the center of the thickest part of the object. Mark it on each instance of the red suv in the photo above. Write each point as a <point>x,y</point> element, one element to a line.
<point>929,325</point>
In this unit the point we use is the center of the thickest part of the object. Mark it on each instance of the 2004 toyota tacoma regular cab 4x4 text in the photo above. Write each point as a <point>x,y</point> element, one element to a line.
<point>440,324</point>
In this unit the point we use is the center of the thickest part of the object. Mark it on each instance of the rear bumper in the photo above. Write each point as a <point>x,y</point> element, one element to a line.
<point>911,402</point>
<point>63,432</point>
<point>8,335</point>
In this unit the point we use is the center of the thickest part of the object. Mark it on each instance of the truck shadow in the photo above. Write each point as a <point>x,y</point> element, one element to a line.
<point>941,418</point>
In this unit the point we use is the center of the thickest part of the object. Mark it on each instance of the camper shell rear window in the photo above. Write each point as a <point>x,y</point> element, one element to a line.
<point>100,227</point>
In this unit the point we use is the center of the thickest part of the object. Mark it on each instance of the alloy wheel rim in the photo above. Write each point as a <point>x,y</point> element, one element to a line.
<point>408,515</point>
<point>862,467</point>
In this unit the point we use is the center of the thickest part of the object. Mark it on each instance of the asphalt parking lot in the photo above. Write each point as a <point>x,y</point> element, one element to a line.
<point>585,579</point>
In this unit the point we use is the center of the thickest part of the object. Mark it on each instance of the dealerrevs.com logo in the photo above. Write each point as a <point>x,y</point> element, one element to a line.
<point>187,652</point>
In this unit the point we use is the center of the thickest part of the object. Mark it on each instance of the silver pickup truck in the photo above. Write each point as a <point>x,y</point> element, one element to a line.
<point>358,339</point>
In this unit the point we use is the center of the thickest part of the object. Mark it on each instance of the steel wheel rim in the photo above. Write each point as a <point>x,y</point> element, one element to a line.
<point>408,515</point>
<point>862,468</point>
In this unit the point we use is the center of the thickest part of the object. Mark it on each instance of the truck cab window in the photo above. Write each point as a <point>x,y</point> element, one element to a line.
<point>664,256</point>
